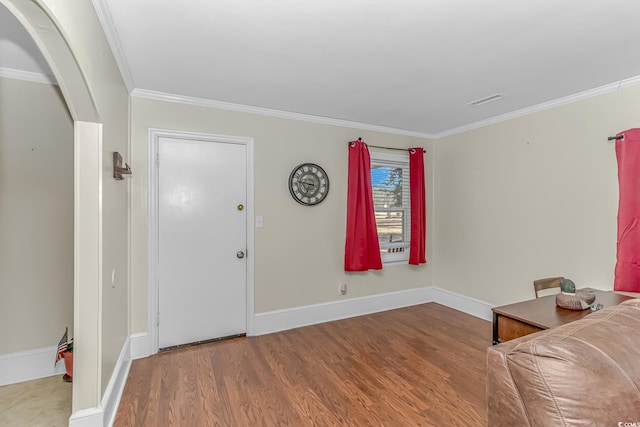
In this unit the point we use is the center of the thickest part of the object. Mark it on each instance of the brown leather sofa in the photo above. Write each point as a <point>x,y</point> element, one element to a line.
<point>585,373</point>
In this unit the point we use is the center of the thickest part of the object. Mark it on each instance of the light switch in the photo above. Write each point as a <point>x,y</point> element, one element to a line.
<point>259,222</point>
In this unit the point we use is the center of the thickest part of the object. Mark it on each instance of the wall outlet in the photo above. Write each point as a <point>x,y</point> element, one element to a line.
<point>342,288</point>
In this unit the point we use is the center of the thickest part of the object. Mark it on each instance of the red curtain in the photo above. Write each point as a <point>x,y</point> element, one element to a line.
<point>627,273</point>
<point>418,207</point>
<point>362,250</point>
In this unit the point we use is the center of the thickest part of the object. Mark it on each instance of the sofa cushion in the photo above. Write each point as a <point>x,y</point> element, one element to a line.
<point>583,373</point>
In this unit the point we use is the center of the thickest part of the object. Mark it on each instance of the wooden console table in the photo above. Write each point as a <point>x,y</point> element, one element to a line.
<point>523,318</point>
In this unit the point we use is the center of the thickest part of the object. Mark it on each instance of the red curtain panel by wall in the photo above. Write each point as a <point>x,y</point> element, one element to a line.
<point>362,249</point>
<point>627,272</point>
<point>418,206</point>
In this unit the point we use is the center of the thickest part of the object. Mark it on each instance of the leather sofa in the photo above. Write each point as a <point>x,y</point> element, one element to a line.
<point>584,373</point>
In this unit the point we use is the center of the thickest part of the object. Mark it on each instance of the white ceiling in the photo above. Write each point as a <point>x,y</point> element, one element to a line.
<point>404,64</point>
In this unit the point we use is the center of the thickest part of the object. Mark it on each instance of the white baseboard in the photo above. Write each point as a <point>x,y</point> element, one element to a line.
<point>281,320</point>
<point>29,365</point>
<point>91,417</point>
<point>463,303</point>
<point>103,416</point>
<point>113,392</point>
<point>140,345</point>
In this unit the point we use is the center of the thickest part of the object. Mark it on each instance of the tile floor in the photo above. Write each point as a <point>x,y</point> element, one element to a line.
<point>45,402</point>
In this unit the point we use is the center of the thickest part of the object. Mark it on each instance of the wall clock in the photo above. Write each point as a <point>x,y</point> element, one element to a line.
<point>308,184</point>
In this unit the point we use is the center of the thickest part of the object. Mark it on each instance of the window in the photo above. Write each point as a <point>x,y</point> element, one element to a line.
<point>391,202</point>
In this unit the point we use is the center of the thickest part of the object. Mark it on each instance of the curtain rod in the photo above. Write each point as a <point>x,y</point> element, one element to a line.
<point>386,148</point>
<point>611,138</point>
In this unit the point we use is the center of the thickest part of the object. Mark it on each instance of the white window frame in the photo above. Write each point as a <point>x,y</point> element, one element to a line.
<point>396,160</point>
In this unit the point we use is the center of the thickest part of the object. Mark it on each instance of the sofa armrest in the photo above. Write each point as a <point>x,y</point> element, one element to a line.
<point>584,373</point>
<point>504,405</point>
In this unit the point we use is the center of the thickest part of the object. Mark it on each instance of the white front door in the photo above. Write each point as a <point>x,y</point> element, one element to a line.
<point>202,240</point>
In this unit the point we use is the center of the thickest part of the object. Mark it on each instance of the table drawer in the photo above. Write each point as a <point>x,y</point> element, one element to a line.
<point>509,329</point>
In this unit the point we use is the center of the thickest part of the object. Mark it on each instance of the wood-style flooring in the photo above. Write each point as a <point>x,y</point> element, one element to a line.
<point>416,366</point>
<point>45,402</point>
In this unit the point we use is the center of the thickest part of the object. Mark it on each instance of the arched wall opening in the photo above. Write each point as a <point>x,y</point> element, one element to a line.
<point>41,24</point>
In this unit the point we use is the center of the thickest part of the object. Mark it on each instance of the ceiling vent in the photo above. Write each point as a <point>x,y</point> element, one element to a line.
<point>485,100</point>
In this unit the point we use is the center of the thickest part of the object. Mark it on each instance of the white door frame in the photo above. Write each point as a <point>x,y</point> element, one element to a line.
<point>153,247</point>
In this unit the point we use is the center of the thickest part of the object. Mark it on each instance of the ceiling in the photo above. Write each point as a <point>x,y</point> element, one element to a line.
<point>411,65</point>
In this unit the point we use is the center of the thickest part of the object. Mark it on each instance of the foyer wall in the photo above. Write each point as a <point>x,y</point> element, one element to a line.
<point>36,223</point>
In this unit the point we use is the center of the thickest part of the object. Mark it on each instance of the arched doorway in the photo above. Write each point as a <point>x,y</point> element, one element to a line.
<point>41,24</point>
<point>36,234</point>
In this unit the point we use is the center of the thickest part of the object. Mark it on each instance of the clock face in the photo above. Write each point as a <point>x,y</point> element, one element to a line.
<point>308,184</point>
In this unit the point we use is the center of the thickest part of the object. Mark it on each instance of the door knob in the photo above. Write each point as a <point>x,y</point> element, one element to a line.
<point>240,254</point>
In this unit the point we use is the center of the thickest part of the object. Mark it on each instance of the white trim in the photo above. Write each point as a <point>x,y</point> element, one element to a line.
<point>152,242</point>
<point>463,303</point>
<point>140,345</point>
<point>296,317</point>
<point>612,87</point>
<point>154,136</point>
<point>105,414</point>
<point>281,320</point>
<point>113,392</point>
<point>250,227</point>
<point>29,365</point>
<point>88,263</point>
<point>90,417</point>
<point>109,28</point>
<point>11,73</point>
<point>201,102</point>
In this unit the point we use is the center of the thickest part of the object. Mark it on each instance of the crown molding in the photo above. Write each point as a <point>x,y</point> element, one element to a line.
<point>612,87</point>
<point>104,16</point>
<point>200,102</point>
<point>167,97</point>
<point>28,76</point>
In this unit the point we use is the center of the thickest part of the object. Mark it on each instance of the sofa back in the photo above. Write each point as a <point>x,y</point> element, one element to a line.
<point>585,373</point>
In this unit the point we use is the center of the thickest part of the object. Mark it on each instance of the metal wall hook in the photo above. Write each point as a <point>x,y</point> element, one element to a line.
<point>118,169</point>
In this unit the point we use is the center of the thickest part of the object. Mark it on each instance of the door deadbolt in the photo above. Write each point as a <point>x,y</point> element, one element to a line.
<point>240,207</point>
<point>240,254</point>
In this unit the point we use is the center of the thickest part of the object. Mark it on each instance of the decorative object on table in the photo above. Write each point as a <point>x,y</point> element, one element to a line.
<point>308,184</point>
<point>596,307</point>
<point>65,351</point>
<point>571,299</point>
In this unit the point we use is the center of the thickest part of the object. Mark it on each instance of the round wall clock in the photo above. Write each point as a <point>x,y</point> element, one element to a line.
<point>308,184</point>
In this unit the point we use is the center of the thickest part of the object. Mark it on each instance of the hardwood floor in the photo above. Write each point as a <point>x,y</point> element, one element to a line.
<point>416,366</point>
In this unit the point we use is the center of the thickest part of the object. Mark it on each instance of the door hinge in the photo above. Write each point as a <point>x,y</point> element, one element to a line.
<point>157,160</point>
<point>158,320</point>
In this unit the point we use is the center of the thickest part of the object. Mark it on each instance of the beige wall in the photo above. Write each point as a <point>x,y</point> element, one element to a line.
<point>83,60</point>
<point>529,198</point>
<point>299,252</point>
<point>87,40</point>
<point>36,220</point>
